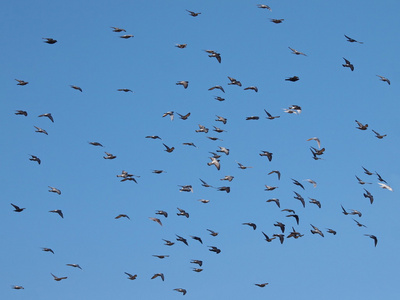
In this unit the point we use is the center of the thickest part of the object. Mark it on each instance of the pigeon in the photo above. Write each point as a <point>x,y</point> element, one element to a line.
<point>50,41</point>
<point>267,238</point>
<point>294,216</point>
<point>385,186</point>
<point>349,39</point>
<point>331,231</point>
<point>180,290</point>
<point>314,201</point>
<point>35,158</point>
<point>17,208</point>
<point>58,211</point>
<point>181,46</point>
<point>359,224</point>
<point>170,114</point>
<point>156,220</point>
<point>40,130</point>
<point>224,189</point>
<point>168,243</point>
<point>348,64</point>
<point>181,239</point>
<point>185,84</point>
<point>54,190</point>
<point>212,233</point>
<point>312,182</point>
<point>47,250</point>
<point>294,51</point>
<point>384,79</point>
<point>270,117</point>
<point>267,154</point>
<point>275,200</point>
<point>21,82</point>
<point>125,90</point>
<point>130,276</point>
<point>196,261</point>
<point>197,238</point>
<point>367,172</point>
<point>214,162</point>
<point>252,118</point>
<point>223,150</point>
<point>261,284</point>
<point>161,212</point>
<point>58,278</point>
<point>122,216</point>
<point>277,21</point>
<point>21,113</point>
<point>315,139</point>
<point>254,88</point>
<point>192,13</point>
<point>217,87</point>
<point>264,6</point>
<point>116,29</point>
<point>361,126</point>
<point>76,88</point>
<point>299,197</point>
<point>74,266</point>
<point>234,81</point>
<point>17,287</point>
<point>202,129</point>
<point>280,236</point>
<point>270,188</point>
<point>293,78</point>
<point>373,237</point>
<point>126,36</point>
<point>214,249</point>
<point>182,212</point>
<point>251,225</point>
<point>96,144</point>
<point>221,119</point>
<point>228,177</point>
<point>281,226</point>
<point>161,256</point>
<point>48,115</point>
<point>316,230</point>
<point>297,183</point>
<point>109,156</point>
<point>169,149</point>
<point>158,275</point>
<point>379,136</point>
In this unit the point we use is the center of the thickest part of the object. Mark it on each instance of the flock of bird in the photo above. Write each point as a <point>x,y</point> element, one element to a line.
<point>216,159</point>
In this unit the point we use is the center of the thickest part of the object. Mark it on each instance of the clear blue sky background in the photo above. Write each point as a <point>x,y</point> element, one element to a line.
<point>255,51</point>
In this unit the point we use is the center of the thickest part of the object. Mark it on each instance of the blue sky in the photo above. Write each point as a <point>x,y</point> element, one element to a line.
<point>255,51</point>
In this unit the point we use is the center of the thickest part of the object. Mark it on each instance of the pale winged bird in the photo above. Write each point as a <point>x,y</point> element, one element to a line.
<point>315,139</point>
<point>54,190</point>
<point>40,130</point>
<point>156,220</point>
<point>385,186</point>
<point>221,119</point>
<point>384,79</point>
<point>116,29</point>
<point>185,84</point>
<point>217,87</point>
<point>214,162</point>
<point>48,115</point>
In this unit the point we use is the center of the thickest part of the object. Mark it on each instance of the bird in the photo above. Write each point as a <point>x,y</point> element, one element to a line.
<point>169,149</point>
<point>367,172</point>
<point>21,82</point>
<point>96,144</point>
<point>384,79</point>
<point>299,197</point>
<point>316,230</point>
<point>267,154</point>
<point>185,84</point>
<point>277,21</point>
<point>47,250</point>
<point>261,284</point>
<point>58,211</point>
<point>361,126</point>
<point>264,6</point>
<point>196,261</point>
<point>361,182</point>
<point>156,220</point>
<point>233,81</point>
<point>17,287</point>
<point>294,51</point>
<point>348,64</point>
<point>48,115</point>
<point>331,231</point>
<point>373,237</point>
<point>181,239</point>
<point>280,236</point>
<point>242,166</point>
<point>74,266</point>
<point>109,156</point>
<point>198,270</point>
<point>205,184</point>
<point>162,212</point>
<point>380,177</point>
<point>184,117</point>
<point>58,278</point>
<point>214,162</point>
<point>315,139</point>
<point>21,113</point>
<point>181,290</point>
<point>379,136</point>
<point>294,216</point>
<point>293,78</point>
<point>154,137</point>
<point>54,190</point>
<point>130,276</point>
<point>281,226</point>
<point>349,39</point>
<point>295,234</point>
<point>202,129</point>
<point>385,186</point>
<point>267,238</point>
<point>221,119</point>
<point>203,200</point>
<point>223,150</point>
<point>254,88</point>
<point>17,208</point>
<point>158,275</point>
<point>215,54</point>
<point>182,212</point>
<point>186,188</point>
<point>197,238</point>
<point>35,158</point>
<point>170,114</point>
<point>252,118</point>
<point>168,243</point>
<point>126,36</point>
<point>275,200</point>
<point>219,98</point>
<point>359,224</point>
<point>212,233</point>
<point>312,182</point>
<point>181,46</point>
<point>116,29</point>
<point>214,249</point>
<point>217,87</point>
<point>344,211</point>
<point>289,210</point>
<point>193,14</point>
<point>297,183</point>
<point>158,171</point>
<point>270,117</point>
<point>315,201</point>
<point>251,225</point>
<point>76,88</point>
<point>355,212</point>
<point>125,90</point>
<point>228,177</point>
<point>122,216</point>
<point>40,130</point>
<point>49,41</point>
<point>161,256</point>
<point>269,188</point>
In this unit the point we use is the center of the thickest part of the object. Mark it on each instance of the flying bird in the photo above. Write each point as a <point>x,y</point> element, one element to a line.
<point>212,233</point>
<point>40,130</point>
<point>202,129</point>
<point>349,39</point>
<point>254,88</point>
<point>281,237</point>
<point>373,237</point>
<point>252,118</point>
<point>281,226</point>
<point>196,261</point>
<point>54,190</point>
<point>170,114</point>
<point>251,225</point>
<point>185,84</point>
<point>35,158</point>
<point>76,88</point>
<point>224,189</point>
<point>315,230</point>
<point>331,231</point>
<point>125,90</point>
<point>17,287</point>
<point>21,113</point>
<point>359,224</point>
<point>130,276</point>
<point>49,41</point>
<point>312,182</point>
<point>58,211</point>
<point>294,51</point>
<point>74,266</point>
<point>58,278</point>
<point>47,250</point>
<point>348,64</point>
<point>300,198</point>
<point>267,238</point>
<point>277,21</point>
<point>379,136</point>
<point>116,29</point>
<point>242,166</point>
<point>122,216</point>
<point>221,119</point>
<point>184,117</point>
<point>197,238</point>
<point>214,162</point>
<point>48,115</point>
<point>156,220</point>
<point>192,13</point>
<point>384,79</point>
<point>294,216</point>
<point>21,82</point>
<point>126,36</point>
<point>261,284</point>
<point>181,290</point>
<point>385,186</point>
<point>361,126</point>
<point>168,243</point>
<point>315,201</point>
<point>169,149</point>
<point>217,87</point>
<point>270,117</point>
<point>275,200</point>
<point>267,154</point>
<point>17,208</point>
<point>96,144</point>
<point>181,46</point>
<point>162,212</point>
<point>269,188</point>
<point>297,183</point>
<point>161,256</point>
<point>362,182</point>
<point>293,78</point>
<point>181,239</point>
<point>214,249</point>
<point>367,172</point>
<point>109,156</point>
<point>161,275</point>
<point>182,212</point>
<point>264,6</point>
<point>234,81</point>
<point>315,139</point>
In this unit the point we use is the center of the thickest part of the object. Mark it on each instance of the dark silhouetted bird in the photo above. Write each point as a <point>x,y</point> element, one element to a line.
<point>58,211</point>
<point>158,275</point>
<point>130,276</point>
<point>58,278</point>
<point>126,36</point>
<point>17,208</point>
<point>21,113</point>
<point>294,51</point>
<point>361,126</point>
<point>348,64</point>
<point>181,239</point>
<point>181,290</point>
<point>21,82</point>
<point>192,13</point>
<point>50,41</point>
<point>384,79</point>
<point>293,78</point>
<point>35,158</point>
<point>76,88</point>
<point>373,237</point>
<point>214,249</point>
<point>349,39</point>
<point>251,225</point>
